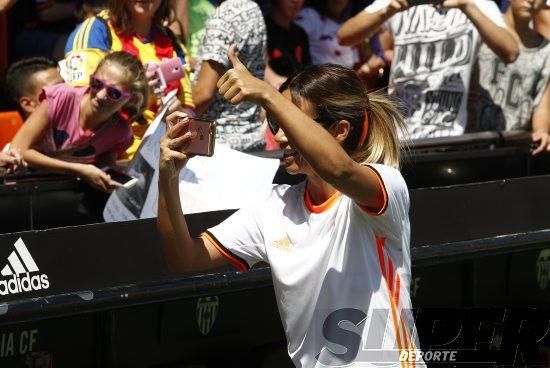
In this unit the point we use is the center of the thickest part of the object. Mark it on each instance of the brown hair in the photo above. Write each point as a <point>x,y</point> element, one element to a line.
<point>336,93</point>
<point>136,81</point>
<point>120,15</point>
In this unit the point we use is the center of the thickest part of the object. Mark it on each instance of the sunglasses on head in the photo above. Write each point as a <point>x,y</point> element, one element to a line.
<point>113,93</point>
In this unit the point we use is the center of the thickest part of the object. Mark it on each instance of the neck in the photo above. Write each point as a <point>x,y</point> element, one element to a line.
<point>319,190</point>
<point>521,27</point>
<point>143,26</point>
<point>279,18</point>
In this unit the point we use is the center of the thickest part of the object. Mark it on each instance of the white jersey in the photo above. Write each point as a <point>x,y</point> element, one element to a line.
<point>341,273</point>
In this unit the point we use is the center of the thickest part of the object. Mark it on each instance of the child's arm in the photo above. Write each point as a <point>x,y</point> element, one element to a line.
<point>317,146</point>
<point>365,24</point>
<point>33,129</point>
<point>541,123</point>
<point>499,39</point>
<point>182,252</point>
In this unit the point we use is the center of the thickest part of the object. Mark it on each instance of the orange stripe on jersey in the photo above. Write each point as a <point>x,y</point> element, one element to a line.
<point>323,206</point>
<point>397,289</point>
<point>381,260</point>
<point>401,334</point>
<point>390,274</point>
<point>233,259</point>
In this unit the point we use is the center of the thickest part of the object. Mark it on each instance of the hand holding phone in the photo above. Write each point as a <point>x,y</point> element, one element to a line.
<point>125,180</point>
<point>203,133</point>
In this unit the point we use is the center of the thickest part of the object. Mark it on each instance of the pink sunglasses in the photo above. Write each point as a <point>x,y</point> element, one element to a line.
<point>113,93</point>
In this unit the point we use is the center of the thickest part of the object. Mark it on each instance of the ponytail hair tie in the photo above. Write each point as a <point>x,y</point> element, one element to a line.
<point>364,131</point>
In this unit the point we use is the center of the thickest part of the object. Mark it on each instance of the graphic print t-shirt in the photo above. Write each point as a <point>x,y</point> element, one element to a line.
<point>503,96</point>
<point>341,273</point>
<point>434,52</point>
<point>238,22</point>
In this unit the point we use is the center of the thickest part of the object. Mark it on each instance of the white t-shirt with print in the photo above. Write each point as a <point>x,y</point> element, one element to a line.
<point>341,274</point>
<point>323,42</point>
<point>434,53</point>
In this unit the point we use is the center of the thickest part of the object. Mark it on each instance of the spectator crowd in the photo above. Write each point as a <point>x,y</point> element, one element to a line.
<point>452,67</point>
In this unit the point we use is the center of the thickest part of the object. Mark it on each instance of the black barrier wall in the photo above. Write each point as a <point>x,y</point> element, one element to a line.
<point>108,282</point>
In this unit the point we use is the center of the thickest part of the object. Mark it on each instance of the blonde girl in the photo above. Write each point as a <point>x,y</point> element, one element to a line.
<point>76,129</point>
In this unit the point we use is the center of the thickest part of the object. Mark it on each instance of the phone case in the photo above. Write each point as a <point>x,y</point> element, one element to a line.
<point>170,70</point>
<point>205,137</point>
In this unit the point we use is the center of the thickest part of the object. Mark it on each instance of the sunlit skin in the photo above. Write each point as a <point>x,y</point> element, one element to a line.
<point>525,9</point>
<point>143,9</point>
<point>142,12</point>
<point>97,106</point>
<point>43,78</point>
<point>39,80</point>
<point>294,162</point>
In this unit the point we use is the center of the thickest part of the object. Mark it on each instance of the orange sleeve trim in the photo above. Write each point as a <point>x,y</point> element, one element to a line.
<point>383,192</point>
<point>235,260</point>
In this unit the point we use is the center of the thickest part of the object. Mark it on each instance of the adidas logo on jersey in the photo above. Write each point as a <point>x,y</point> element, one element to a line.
<point>20,267</point>
<point>283,244</point>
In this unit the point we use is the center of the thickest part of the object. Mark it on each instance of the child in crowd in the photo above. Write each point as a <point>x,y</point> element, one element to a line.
<point>76,127</point>
<point>514,96</point>
<point>25,79</point>
<point>337,243</point>
<point>434,53</point>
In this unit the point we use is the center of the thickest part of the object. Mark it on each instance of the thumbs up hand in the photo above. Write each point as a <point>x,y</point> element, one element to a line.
<point>238,85</point>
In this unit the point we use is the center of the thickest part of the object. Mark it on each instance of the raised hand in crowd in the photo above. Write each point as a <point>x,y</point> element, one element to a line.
<point>11,161</point>
<point>238,84</point>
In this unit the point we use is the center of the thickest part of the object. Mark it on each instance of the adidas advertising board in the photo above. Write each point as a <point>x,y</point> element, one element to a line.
<point>21,274</point>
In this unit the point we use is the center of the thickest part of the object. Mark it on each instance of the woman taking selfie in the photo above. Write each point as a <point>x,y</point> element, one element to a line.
<point>139,28</point>
<point>76,127</point>
<point>338,243</point>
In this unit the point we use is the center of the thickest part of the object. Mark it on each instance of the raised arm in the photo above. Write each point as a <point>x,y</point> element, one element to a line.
<point>182,252</point>
<point>316,145</point>
<point>204,90</point>
<point>33,129</point>
<point>365,24</point>
<point>499,39</point>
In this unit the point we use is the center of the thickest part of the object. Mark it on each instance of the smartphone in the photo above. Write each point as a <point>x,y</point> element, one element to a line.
<point>123,179</point>
<point>424,2</point>
<point>205,137</point>
<point>170,70</point>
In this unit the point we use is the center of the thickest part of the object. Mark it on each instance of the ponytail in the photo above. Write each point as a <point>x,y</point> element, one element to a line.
<point>382,142</point>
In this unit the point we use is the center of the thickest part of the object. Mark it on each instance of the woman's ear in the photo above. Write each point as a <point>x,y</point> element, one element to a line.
<point>341,130</point>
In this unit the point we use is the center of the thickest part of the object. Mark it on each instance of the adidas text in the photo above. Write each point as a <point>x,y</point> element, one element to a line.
<point>26,283</point>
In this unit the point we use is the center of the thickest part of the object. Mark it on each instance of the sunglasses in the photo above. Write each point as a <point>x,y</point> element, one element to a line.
<point>113,93</point>
<point>274,125</point>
